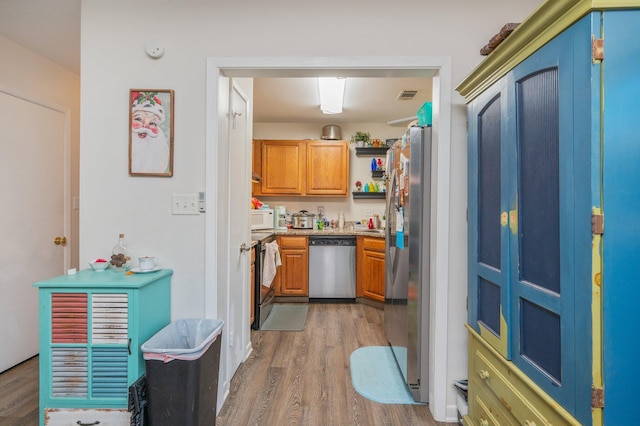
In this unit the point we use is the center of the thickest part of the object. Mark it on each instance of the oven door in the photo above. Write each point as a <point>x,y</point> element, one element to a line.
<point>265,294</point>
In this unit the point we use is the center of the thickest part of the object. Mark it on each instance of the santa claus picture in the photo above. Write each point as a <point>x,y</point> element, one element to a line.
<point>151,135</point>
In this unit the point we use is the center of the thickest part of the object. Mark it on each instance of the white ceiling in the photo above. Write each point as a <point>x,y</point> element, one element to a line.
<point>51,28</point>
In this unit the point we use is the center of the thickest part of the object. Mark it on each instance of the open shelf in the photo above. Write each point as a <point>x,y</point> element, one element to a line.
<point>377,173</point>
<point>364,151</point>
<point>370,195</point>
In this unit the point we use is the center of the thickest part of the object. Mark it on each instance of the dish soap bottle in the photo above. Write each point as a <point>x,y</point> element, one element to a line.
<point>119,256</point>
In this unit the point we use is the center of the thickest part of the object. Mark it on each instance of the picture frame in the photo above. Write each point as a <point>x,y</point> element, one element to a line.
<point>151,132</point>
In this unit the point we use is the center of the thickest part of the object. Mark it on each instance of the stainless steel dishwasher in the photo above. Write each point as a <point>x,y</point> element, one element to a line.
<point>332,267</point>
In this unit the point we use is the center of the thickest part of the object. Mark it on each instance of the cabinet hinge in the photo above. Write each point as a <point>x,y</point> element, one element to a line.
<point>597,224</point>
<point>597,397</point>
<point>597,49</point>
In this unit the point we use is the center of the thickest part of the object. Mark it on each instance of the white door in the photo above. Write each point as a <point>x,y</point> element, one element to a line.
<point>239,197</point>
<point>32,172</point>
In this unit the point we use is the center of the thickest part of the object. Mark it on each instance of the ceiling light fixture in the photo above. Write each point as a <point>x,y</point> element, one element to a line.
<point>331,94</point>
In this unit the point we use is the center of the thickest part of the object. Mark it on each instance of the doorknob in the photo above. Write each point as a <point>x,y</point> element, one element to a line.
<point>244,247</point>
<point>60,241</point>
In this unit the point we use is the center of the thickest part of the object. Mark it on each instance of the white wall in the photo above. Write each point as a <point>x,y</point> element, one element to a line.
<point>113,61</point>
<point>37,77</point>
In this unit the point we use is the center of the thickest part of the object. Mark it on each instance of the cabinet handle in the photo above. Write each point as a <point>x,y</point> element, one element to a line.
<point>79,422</point>
<point>484,374</point>
<point>529,423</point>
<point>484,422</point>
<point>129,346</point>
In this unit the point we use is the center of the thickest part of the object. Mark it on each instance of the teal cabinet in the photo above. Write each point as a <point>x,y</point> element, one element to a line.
<point>92,325</point>
<point>553,205</point>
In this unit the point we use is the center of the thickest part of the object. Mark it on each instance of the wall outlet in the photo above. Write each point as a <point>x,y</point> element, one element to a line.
<point>369,212</point>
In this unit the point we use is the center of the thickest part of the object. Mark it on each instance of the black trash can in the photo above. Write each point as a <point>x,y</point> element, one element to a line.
<point>182,363</point>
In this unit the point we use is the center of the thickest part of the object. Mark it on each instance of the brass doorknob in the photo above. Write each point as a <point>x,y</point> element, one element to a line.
<point>60,241</point>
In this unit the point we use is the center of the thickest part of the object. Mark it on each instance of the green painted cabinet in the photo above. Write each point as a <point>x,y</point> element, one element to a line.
<point>92,325</point>
<point>553,231</point>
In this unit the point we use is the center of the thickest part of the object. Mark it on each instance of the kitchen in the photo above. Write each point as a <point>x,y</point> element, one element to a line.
<point>351,206</point>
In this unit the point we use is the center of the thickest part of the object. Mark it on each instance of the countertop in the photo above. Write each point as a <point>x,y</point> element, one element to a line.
<point>366,232</point>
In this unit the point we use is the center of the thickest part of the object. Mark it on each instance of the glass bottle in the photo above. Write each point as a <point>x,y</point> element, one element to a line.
<point>119,256</point>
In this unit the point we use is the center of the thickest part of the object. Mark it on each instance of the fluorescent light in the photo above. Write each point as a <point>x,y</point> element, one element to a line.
<point>331,94</point>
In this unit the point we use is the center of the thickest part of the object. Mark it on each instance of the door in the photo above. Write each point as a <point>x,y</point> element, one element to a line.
<point>32,169</point>
<point>239,196</point>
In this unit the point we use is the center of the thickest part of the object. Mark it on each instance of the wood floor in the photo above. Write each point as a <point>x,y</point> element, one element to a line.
<point>19,394</point>
<point>291,378</point>
<point>303,378</point>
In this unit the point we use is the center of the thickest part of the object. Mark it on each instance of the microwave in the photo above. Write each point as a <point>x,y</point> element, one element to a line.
<point>261,219</point>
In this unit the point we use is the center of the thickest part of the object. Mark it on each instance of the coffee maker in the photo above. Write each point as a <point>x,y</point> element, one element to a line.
<point>279,217</point>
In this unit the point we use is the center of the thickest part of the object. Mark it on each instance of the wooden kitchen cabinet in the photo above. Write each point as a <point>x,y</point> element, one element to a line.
<point>293,279</point>
<point>370,267</point>
<point>327,168</point>
<point>256,168</point>
<point>301,168</point>
<point>283,167</point>
<point>92,325</point>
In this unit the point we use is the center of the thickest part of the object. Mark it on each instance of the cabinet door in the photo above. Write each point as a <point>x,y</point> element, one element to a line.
<point>489,209</point>
<point>283,167</point>
<point>256,167</point>
<point>294,272</point>
<point>550,247</point>
<point>327,168</point>
<point>373,275</point>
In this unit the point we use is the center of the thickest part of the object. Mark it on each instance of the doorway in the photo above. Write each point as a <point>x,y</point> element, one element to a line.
<point>216,223</point>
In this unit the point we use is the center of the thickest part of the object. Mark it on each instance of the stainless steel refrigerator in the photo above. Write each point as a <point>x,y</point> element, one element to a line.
<point>406,310</point>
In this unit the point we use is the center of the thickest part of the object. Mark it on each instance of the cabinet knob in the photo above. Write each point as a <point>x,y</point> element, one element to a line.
<point>484,422</point>
<point>60,241</point>
<point>529,423</point>
<point>484,374</point>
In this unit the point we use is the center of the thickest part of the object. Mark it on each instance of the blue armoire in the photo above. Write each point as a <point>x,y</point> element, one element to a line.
<point>554,219</point>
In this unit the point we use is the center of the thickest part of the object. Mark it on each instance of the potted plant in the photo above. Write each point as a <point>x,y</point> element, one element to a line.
<point>361,139</point>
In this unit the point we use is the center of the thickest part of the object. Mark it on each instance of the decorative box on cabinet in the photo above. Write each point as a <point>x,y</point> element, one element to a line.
<point>92,325</point>
<point>549,293</point>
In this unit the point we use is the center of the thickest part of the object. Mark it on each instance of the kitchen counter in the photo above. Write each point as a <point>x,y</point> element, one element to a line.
<point>366,232</point>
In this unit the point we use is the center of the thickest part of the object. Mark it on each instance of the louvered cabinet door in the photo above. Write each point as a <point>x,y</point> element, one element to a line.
<point>90,345</point>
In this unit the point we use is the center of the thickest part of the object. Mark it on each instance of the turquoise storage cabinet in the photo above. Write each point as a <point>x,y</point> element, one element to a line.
<point>554,219</point>
<point>92,325</point>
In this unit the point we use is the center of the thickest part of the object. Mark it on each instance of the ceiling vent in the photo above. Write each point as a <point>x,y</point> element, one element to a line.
<point>407,95</point>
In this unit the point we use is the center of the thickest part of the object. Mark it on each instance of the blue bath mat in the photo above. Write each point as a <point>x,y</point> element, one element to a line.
<point>376,376</point>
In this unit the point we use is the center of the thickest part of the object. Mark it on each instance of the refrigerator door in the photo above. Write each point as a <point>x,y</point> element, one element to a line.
<point>407,258</point>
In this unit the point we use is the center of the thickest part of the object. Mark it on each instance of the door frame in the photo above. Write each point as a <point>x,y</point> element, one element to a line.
<point>216,140</point>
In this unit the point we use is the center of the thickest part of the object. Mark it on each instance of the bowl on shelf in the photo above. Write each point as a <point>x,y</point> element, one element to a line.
<point>99,264</point>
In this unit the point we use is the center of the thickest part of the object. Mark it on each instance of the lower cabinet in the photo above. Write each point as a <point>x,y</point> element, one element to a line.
<point>92,325</point>
<point>293,279</point>
<point>499,393</point>
<point>370,267</point>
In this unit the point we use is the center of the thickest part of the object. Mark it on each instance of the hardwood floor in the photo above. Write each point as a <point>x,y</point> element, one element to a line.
<point>19,394</point>
<point>291,378</point>
<point>303,378</point>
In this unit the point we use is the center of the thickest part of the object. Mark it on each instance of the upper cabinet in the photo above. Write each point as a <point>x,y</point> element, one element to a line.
<point>301,167</point>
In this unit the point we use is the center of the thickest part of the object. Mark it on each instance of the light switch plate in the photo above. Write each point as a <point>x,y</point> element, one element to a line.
<point>184,204</point>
